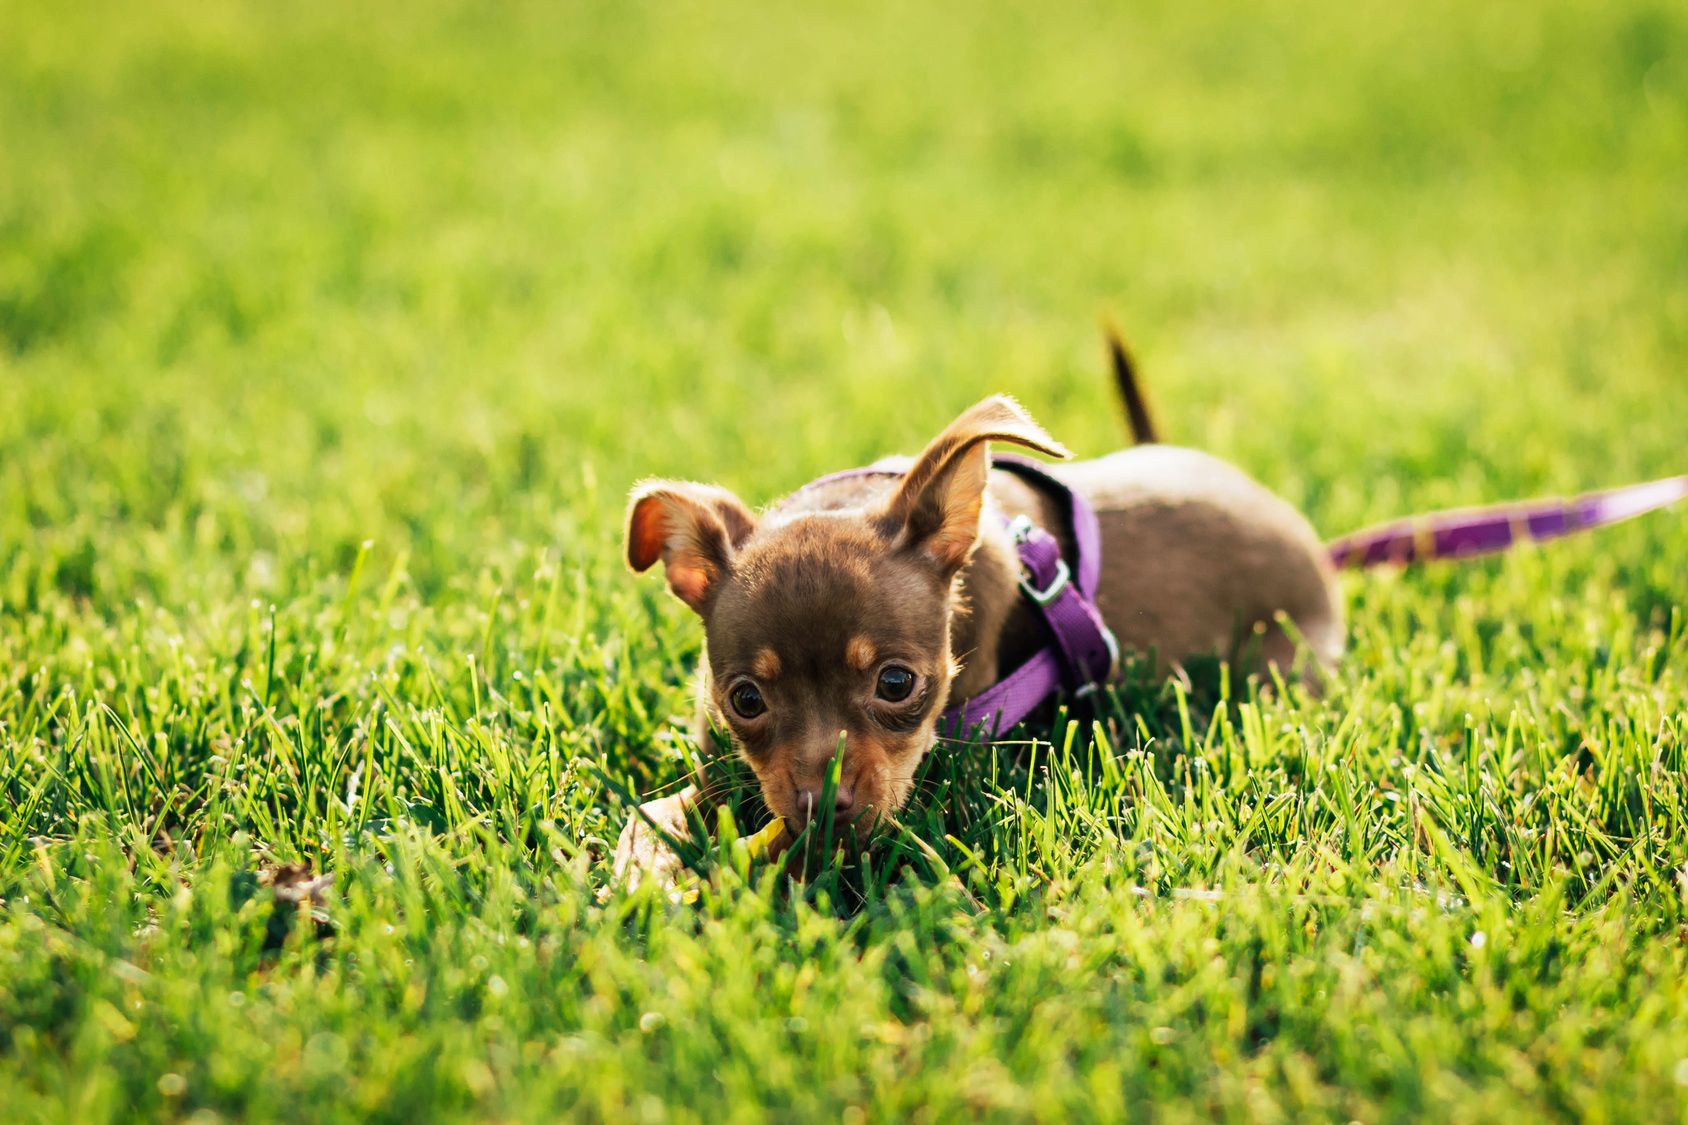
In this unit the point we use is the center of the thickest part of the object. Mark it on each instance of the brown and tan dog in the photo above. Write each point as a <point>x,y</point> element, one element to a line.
<point>846,616</point>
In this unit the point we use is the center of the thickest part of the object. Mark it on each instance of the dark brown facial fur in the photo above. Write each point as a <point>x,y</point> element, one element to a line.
<point>819,615</point>
<point>828,623</point>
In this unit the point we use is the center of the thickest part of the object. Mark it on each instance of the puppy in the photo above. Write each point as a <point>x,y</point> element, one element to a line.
<point>845,618</point>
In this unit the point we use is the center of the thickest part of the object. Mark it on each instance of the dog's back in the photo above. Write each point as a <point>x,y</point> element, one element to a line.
<point>1198,557</point>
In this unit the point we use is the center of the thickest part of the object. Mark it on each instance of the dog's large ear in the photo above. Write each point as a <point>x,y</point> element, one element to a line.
<point>693,528</point>
<point>936,507</point>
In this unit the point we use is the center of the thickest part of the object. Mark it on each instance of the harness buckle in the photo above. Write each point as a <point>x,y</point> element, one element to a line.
<point>1021,529</point>
<point>1091,687</point>
<point>1049,593</point>
<point>1112,642</point>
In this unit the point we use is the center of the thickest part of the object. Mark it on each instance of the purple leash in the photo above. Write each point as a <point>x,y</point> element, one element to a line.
<point>1468,532</point>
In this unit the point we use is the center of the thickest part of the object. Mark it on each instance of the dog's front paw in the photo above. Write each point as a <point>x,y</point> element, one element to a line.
<point>642,853</point>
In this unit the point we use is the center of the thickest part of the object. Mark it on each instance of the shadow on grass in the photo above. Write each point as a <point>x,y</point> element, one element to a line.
<point>969,808</point>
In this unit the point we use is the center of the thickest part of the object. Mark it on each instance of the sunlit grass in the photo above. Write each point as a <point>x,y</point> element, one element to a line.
<point>331,341</point>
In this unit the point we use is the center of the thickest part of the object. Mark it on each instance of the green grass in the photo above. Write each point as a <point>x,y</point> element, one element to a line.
<point>331,340</point>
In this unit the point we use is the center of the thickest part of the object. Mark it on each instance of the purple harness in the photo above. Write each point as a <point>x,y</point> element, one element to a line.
<point>1082,653</point>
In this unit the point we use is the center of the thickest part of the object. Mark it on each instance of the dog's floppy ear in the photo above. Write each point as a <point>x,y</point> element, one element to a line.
<point>936,507</point>
<point>693,528</point>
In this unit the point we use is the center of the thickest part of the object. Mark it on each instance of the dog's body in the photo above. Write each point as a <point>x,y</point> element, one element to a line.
<point>850,613</point>
<point>1198,559</point>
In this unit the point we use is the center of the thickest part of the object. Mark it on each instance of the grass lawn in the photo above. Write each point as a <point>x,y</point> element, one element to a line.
<point>332,338</point>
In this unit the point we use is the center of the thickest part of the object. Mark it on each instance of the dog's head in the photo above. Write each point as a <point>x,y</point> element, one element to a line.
<point>829,631</point>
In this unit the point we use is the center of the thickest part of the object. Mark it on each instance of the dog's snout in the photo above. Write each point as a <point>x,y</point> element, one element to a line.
<point>809,801</point>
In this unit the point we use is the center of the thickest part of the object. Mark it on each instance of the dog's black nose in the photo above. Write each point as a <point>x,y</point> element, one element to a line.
<point>809,802</point>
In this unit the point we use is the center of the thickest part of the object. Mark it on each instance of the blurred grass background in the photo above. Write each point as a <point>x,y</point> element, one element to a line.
<point>331,339</point>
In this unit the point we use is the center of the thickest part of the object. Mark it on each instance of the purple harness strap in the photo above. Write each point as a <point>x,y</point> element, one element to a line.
<point>1083,652</point>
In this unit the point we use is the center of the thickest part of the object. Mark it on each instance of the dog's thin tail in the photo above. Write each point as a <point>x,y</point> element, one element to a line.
<point>1125,377</point>
<point>1467,532</point>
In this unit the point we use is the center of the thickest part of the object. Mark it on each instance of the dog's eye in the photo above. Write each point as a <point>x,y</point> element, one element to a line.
<point>747,701</point>
<point>895,684</point>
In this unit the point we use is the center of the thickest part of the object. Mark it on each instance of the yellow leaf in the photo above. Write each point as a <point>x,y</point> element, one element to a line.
<point>764,839</point>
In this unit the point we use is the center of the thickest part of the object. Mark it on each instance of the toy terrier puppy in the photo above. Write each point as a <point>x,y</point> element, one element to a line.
<point>844,618</point>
